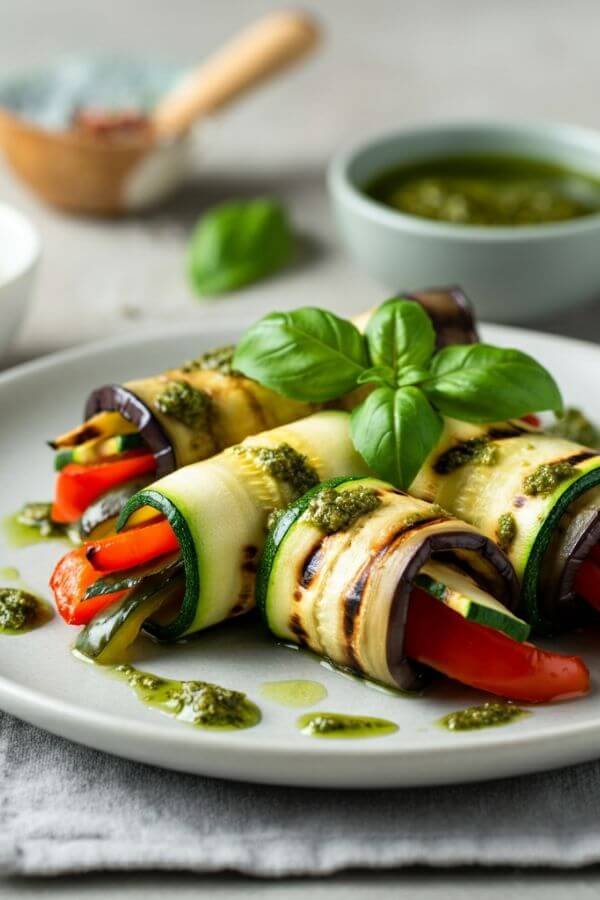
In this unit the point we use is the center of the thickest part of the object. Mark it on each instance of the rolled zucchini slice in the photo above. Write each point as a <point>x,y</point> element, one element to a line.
<point>345,593</point>
<point>219,510</point>
<point>536,494</point>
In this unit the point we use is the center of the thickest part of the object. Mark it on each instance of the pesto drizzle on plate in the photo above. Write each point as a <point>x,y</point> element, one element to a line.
<point>336,725</point>
<point>198,703</point>
<point>21,611</point>
<point>489,715</point>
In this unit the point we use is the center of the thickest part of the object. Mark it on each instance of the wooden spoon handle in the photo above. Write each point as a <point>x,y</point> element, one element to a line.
<point>258,52</point>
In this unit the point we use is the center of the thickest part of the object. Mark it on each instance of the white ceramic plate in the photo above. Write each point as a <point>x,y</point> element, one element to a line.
<point>40,680</point>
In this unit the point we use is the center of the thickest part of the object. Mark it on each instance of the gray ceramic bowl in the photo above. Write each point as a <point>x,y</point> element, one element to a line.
<point>509,273</point>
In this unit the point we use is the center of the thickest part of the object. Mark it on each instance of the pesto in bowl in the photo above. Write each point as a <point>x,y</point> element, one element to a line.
<point>487,190</point>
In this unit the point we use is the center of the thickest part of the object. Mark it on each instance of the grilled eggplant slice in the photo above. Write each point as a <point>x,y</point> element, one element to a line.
<point>345,594</point>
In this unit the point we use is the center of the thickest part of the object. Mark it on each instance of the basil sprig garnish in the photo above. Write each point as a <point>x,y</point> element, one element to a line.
<point>313,355</point>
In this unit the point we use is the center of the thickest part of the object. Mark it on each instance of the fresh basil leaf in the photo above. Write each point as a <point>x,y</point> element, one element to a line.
<point>395,431</point>
<point>411,375</point>
<point>400,334</point>
<point>377,375</point>
<point>481,383</point>
<point>237,243</point>
<point>307,354</point>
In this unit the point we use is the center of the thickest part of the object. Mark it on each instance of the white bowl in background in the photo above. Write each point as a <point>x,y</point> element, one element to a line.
<point>19,255</point>
<point>509,273</point>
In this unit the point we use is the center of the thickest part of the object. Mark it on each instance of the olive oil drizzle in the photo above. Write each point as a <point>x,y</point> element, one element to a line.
<point>294,693</point>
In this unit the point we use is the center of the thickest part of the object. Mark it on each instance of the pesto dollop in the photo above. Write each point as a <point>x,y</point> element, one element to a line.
<point>332,510</point>
<point>488,715</point>
<point>487,190</point>
<point>547,477</point>
<point>198,703</point>
<point>506,530</point>
<point>185,403</point>
<point>20,611</point>
<point>284,464</point>
<point>218,360</point>
<point>477,450</point>
<point>575,426</point>
<point>336,725</point>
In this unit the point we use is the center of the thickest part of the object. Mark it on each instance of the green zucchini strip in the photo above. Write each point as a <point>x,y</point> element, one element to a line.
<point>219,509</point>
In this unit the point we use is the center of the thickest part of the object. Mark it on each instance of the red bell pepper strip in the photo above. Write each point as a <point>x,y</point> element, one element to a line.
<point>80,568</point>
<point>70,580</point>
<point>487,659</point>
<point>587,581</point>
<point>532,419</point>
<point>132,548</point>
<point>79,485</point>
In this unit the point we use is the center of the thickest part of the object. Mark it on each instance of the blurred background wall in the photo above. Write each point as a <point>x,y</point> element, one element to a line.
<point>384,63</point>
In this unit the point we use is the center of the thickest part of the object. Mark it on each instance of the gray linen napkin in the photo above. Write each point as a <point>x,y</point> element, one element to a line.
<point>65,809</point>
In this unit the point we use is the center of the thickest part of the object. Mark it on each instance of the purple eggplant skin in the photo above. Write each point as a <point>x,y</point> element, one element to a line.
<point>115,397</point>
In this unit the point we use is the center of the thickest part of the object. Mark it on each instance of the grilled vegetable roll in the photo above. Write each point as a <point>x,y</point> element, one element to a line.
<point>537,495</point>
<point>201,557</point>
<point>378,581</point>
<point>146,428</point>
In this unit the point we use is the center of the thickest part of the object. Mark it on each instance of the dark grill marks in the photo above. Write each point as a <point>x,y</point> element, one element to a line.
<point>249,558</point>
<point>248,572</point>
<point>298,628</point>
<point>312,563</point>
<point>252,400</point>
<point>87,433</point>
<point>353,597</point>
<point>576,458</point>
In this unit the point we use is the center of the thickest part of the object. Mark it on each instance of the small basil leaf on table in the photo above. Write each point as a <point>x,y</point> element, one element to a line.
<point>400,334</point>
<point>307,354</point>
<point>481,383</point>
<point>237,243</point>
<point>395,431</point>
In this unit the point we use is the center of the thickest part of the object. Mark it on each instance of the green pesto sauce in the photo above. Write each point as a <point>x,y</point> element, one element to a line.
<point>21,611</point>
<point>336,725</point>
<point>547,477</point>
<point>198,703</point>
<point>488,715</point>
<point>506,530</point>
<point>296,693</point>
<point>284,464</point>
<point>487,190</point>
<point>185,403</point>
<point>575,426</point>
<point>477,450</point>
<point>32,524</point>
<point>9,572</point>
<point>332,510</point>
<point>219,360</point>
